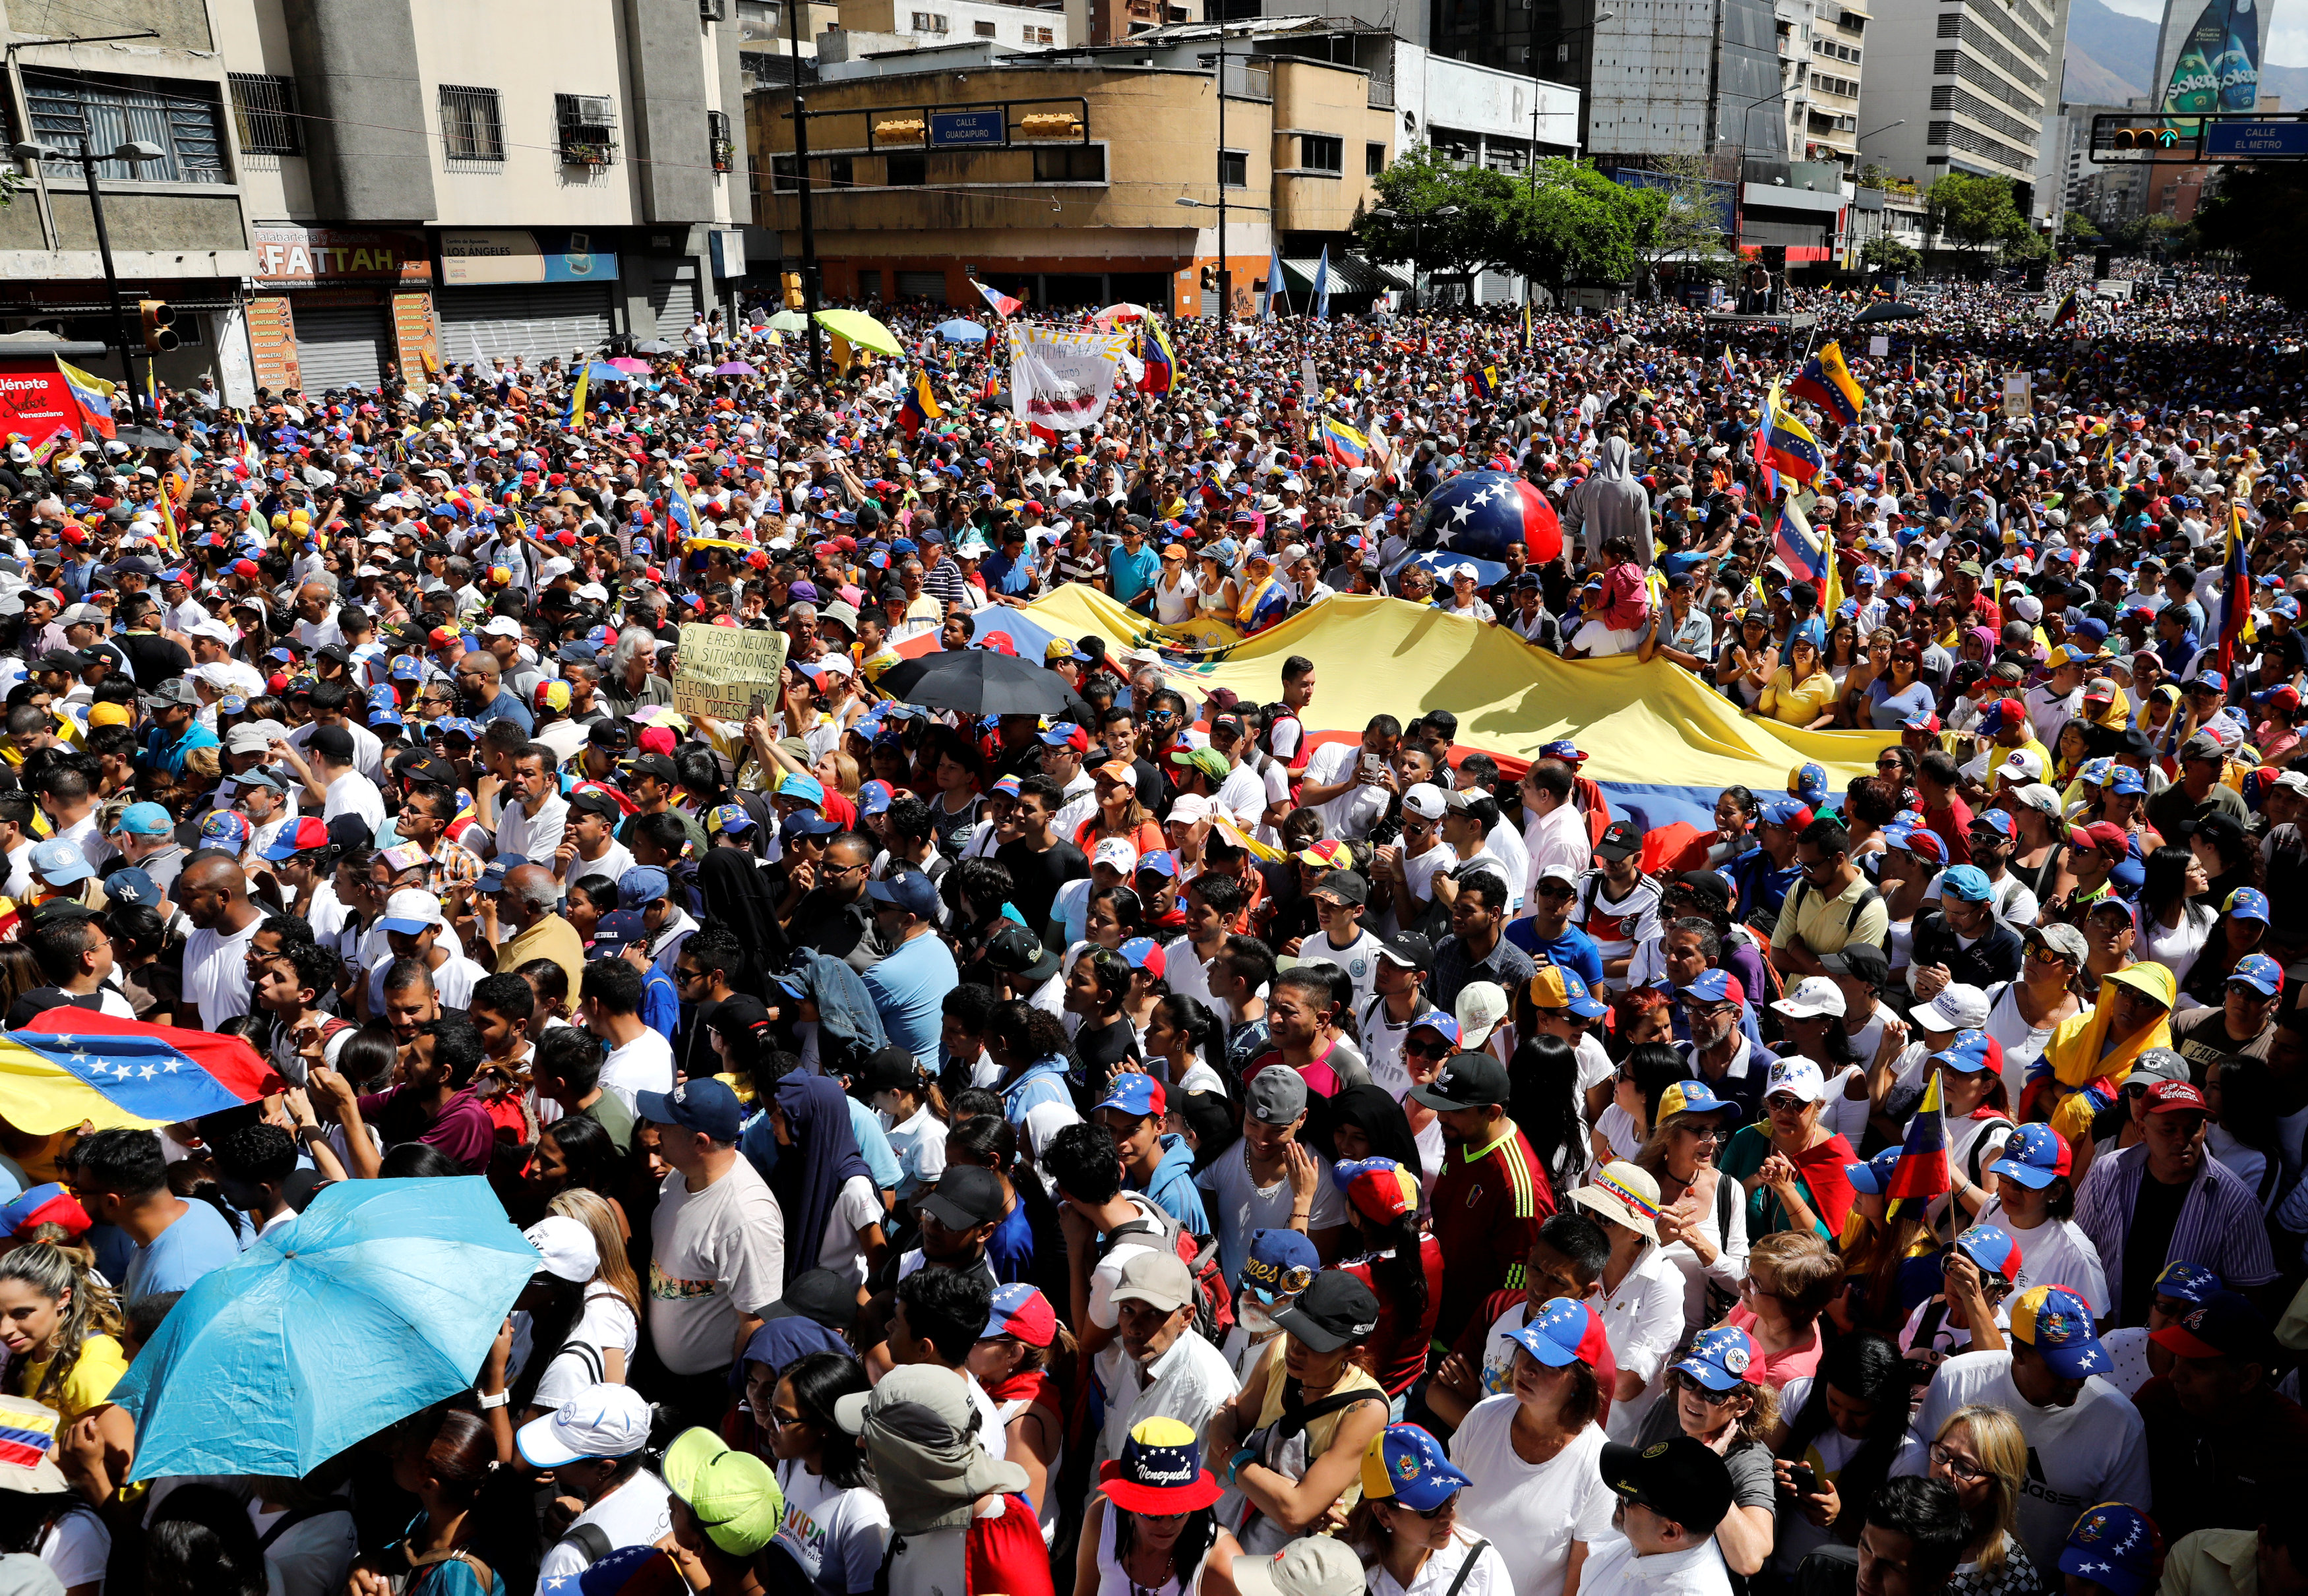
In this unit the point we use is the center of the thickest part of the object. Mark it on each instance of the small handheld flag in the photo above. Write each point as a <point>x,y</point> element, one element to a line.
<point>577,397</point>
<point>1922,1172</point>
<point>1344,445</point>
<point>1827,382</point>
<point>1792,450</point>
<point>2235,586</point>
<point>1003,306</point>
<point>1273,284</point>
<point>1322,286</point>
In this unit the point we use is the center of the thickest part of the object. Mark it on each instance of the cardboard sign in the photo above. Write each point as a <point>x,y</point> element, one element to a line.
<point>2018,393</point>
<point>272,342</point>
<point>719,671</point>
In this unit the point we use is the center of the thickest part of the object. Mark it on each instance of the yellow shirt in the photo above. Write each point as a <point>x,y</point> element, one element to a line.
<point>88,1386</point>
<point>2213,1563</point>
<point>1797,704</point>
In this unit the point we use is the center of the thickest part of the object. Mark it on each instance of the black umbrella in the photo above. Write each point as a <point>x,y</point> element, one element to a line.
<point>145,437</point>
<point>1890,310</point>
<point>655,346</point>
<point>981,681</point>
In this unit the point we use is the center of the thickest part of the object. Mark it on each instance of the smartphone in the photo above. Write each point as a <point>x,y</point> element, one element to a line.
<point>759,705</point>
<point>1372,764</point>
<point>1802,1478</point>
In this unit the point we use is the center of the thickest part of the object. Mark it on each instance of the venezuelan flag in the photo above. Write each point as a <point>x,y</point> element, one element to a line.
<point>1161,364</point>
<point>921,406</point>
<point>1827,382</point>
<point>1265,603</point>
<point>1343,443</point>
<point>73,1065</point>
<point>1485,378</point>
<point>1792,450</point>
<point>681,514</point>
<point>2071,306</point>
<point>1922,1172</point>
<point>1800,549</point>
<point>92,394</point>
<point>2235,587</point>
<point>577,397</point>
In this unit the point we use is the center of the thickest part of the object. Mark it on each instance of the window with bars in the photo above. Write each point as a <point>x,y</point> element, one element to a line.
<point>72,112</point>
<point>718,141</point>
<point>586,124</point>
<point>472,125</point>
<point>266,114</point>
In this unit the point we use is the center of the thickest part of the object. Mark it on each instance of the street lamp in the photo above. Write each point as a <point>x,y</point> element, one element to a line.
<point>1601,17</point>
<point>1417,238</point>
<point>134,153</point>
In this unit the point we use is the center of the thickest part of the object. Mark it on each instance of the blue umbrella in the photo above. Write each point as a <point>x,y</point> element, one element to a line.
<point>378,1300</point>
<point>959,332</point>
<point>601,371</point>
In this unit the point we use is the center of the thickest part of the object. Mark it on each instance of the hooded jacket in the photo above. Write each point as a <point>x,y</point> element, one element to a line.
<point>1612,503</point>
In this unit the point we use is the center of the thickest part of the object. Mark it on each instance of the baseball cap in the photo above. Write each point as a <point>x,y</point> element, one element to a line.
<point>1276,1095</point>
<point>1812,998</point>
<point>565,1248</point>
<point>2189,1282</point>
<point>143,819</point>
<point>1680,1479</point>
<point>1405,1464</point>
<point>2035,1155</point>
<point>1562,1331</point>
<point>1137,1094</point>
<point>1336,1309</point>
<point>1721,1359</point>
<point>2259,972</point>
<point>132,887</point>
<point>1620,840</point>
<point>965,1197</point>
<point>2175,1097</point>
<point>1797,1076</point>
<point>1424,800</point>
<point>411,911</point>
<point>51,1204</point>
<point>910,891</point>
<point>602,1421</point>
<point>1992,1248</point>
<point>2057,1323</point>
<point>1144,953</point>
<point>1410,950</point>
<point>1692,1097</point>
<point>1158,1278</point>
<point>642,884</point>
<point>733,1495</point>
<point>1558,986</point>
<point>2222,1325</point>
<point>1466,1080</point>
<point>1019,1310</point>
<point>1959,1007</point>
<point>613,933</point>
<point>1381,1189</point>
<point>1967,882</point>
<point>705,1104</point>
<point>2113,1545</point>
<point>59,862</point>
<point>1310,1565</point>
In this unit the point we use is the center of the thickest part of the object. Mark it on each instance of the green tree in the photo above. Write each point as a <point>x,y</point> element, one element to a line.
<point>1446,218</point>
<point>1687,226</point>
<point>1885,253</point>
<point>1571,223</point>
<point>2028,247</point>
<point>2075,227</point>
<point>1976,213</point>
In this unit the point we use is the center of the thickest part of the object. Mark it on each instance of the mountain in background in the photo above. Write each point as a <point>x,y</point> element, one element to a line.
<point>2111,56</point>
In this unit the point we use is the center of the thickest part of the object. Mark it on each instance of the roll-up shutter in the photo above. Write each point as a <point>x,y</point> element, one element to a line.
<point>536,321</point>
<point>341,346</point>
<point>922,284</point>
<point>674,305</point>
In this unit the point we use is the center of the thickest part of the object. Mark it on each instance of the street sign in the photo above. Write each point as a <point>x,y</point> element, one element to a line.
<point>952,129</point>
<point>2256,140</point>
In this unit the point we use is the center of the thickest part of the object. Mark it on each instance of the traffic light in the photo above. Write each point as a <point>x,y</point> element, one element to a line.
<point>2141,136</point>
<point>792,281</point>
<point>1210,279</point>
<point>159,318</point>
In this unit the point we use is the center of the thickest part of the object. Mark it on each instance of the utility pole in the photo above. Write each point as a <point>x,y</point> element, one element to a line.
<point>1226,276</point>
<point>801,183</point>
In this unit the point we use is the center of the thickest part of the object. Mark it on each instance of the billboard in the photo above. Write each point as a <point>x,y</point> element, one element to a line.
<point>2207,56</point>
<point>290,256</point>
<point>35,399</point>
<point>477,255</point>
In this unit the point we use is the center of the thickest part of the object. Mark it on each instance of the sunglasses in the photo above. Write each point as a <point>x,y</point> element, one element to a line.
<point>1448,1504</point>
<point>1426,1050</point>
<point>1713,1399</point>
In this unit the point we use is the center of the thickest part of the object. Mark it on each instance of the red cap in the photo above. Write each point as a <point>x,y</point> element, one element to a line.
<point>2014,711</point>
<point>243,568</point>
<point>2109,837</point>
<point>2175,1097</point>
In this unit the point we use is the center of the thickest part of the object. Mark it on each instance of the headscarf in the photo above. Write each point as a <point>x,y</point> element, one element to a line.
<point>1373,1111</point>
<point>810,1172</point>
<point>2078,1061</point>
<point>733,893</point>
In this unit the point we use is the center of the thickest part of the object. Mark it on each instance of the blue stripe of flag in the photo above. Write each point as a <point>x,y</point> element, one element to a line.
<point>140,1074</point>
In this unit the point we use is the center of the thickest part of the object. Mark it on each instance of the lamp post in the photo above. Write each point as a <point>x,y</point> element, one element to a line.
<point>1601,17</point>
<point>134,153</point>
<point>801,187</point>
<point>1859,142</point>
<point>1417,238</point>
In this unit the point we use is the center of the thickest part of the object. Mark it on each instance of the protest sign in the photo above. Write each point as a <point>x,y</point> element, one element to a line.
<point>720,669</point>
<point>1061,381</point>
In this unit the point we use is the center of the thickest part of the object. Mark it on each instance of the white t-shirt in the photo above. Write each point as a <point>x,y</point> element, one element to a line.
<point>1244,1208</point>
<point>857,1205</point>
<point>615,859</point>
<point>216,974</point>
<point>1105,1275</point>
<point>76,1546</point>
<point>2094,1450</point>
<point>2057,1252</point>
<point>836,1535</point>
<point>1439,1574</point>
<point>638,1513</point>
<point>714,1255</point>
<point>1353,812</point>
<point>1531,1513</point>
<point>353,793</point>
<point>533,839</point>
<point>453,979</point>
<point>604,1322</point>
<point>644,1064</point>
<point>1359,958</point>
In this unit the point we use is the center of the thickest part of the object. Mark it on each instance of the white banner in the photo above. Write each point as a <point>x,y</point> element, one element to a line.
<point>1062,380</point>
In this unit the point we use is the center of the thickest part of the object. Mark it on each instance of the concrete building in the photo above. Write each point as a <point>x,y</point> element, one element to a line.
<point>1969,81</point>
<point>1686,77</point>
<point>355,186</point>
<point>881,26</point>
<point>1058,175</point>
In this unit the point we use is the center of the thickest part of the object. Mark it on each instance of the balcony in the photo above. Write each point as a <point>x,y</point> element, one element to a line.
<point>1249,80</point>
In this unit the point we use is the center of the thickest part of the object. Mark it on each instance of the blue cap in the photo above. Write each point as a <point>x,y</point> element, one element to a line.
<point>2190,1282</point>
<point>1141,952</point>
<point>1999,821</point>
<point>1722,1359</point>
<point>1161,861</point>
<point>2123,778</point>
<point>1810,784</point>
<point>616,932</point>
<point>503,865</point>
<point>1713,986</point>
<point>703,1103</point>
<point>2115,1546</point>
<point>1873,1178</point>
<point>1131,1093</point>
<point>60,863</point>
<point>1563,1333</point>
<point>642,884</point>
<point>1783,811</point>
<point>1577,997</point>
<point>808,788</point>
<point>2259,972</point>
<point>1967,882</point>
<point>1062,732</point>
<point>873,798</point>
<point>1409,1465</point>
<point>1274,1253</point>
<point>1967,1054</point>
<point>807,822</point>
<point>2035,1155</point>
<point>910,891</point>
<point>2247,903</point>
<point>134,887</point>
<point>144,820</point>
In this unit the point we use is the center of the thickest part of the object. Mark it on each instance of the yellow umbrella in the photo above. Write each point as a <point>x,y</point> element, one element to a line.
<point>862,330</point>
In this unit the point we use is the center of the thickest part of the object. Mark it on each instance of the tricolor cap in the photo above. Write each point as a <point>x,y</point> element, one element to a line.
<point>1407,1465</point>
<point>1722,1359</point>
<point>1969,1053</point>
<point>2224,1325</point>
<point>1282,1263</point>
<point>27,1430</point>
<point>1144,953</point>
<point>1992,1248</point>
<point>50,1204</point>
<point>1692,1097</point>
<point>2187,1282</point>
<point>2248,903</point>
<point>2035,1155</point>
<point>1563,1333</point>
<point>2058,1324</point>
<point>2259,972</point>
<point>727,819</point>
<point>2115,1546</point>
<point>1872,1177</point>
<point>298,837</point>
<point>1557,986</point>
<point>1135,1093</point>
<point>1381,1189</point>
<point>1018,1310</point>
<point>1712,986</point>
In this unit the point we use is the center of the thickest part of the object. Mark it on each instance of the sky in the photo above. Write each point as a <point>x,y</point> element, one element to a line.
<point>2287,40</point>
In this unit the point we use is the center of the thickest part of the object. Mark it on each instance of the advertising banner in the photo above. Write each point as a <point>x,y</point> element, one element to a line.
<point>35,399</point>
<point>473,256</point>
<point>1060,379</point>
<point>272,342</point>
<point>290,257</point>
<point>2207,56</point>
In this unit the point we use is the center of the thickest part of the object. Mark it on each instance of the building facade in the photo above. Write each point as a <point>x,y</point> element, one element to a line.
<point>1972,83</point>
<point>352,188</point>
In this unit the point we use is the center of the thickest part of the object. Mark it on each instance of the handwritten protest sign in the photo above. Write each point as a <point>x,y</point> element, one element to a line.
<point>720,669</point>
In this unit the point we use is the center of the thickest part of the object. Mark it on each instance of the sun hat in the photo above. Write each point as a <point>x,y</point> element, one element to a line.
<point>1624,1192</point>
<point>27,1429</point>
<point>1159,1471</point>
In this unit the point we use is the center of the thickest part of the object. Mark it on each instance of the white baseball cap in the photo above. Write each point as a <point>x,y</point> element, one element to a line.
<point>2023,765</point>
<point>215,631</point>
<point>1797,1077</point>
<point>411,910</point>
<point>503,626</point>
<point>565,1248</point>
<point>1190,809</point>
<point>602,1421</point>
<point>1117,852</point>
<point>1959,1007</point>
<point>1810,997</point>
<point>1425,800</point>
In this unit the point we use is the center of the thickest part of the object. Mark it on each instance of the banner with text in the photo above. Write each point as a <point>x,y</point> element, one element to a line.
<point>719,671</point>
<point>1061,380</point>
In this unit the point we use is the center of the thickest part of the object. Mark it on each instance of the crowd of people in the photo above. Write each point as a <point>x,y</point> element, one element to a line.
<point>1181,1146</point>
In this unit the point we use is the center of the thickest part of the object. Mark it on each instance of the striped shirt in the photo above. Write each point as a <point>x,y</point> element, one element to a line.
<point>2219,1227</point>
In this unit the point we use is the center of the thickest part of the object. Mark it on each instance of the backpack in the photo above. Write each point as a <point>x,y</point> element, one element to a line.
<point>1213,1302</point>
<point>1867,895</point>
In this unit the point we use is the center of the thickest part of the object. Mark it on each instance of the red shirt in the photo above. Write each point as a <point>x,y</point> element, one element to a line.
<point>1487,1208</point>
<point>1953,827</point>
<point>1397,1347</point>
